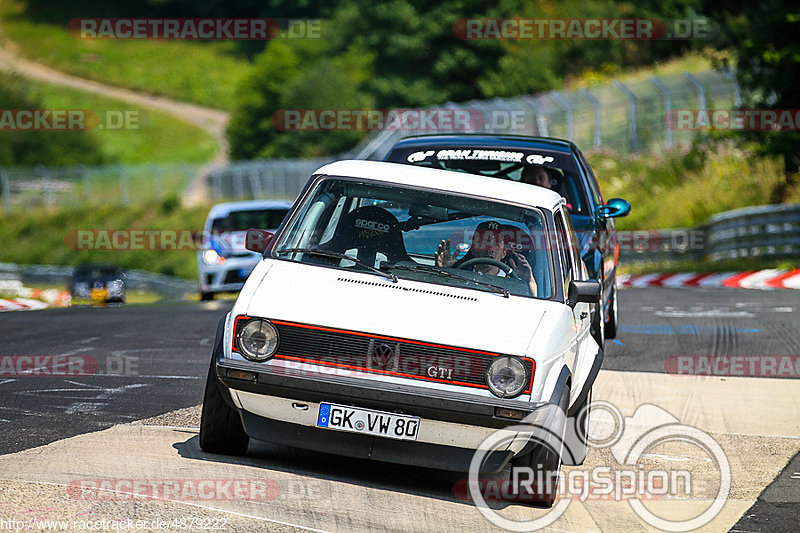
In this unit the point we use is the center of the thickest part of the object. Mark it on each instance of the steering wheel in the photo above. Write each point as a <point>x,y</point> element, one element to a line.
<point>488,261</point>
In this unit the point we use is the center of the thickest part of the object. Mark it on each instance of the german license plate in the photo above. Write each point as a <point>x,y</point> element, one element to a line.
<point>367,421</point>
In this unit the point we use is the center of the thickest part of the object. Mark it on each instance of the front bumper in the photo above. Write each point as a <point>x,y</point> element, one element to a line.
<point>228,276</point>
<point>283,409</point>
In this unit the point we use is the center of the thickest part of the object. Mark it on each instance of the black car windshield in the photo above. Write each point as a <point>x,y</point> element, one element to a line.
<point>467,242</point>
<point>558,170</point>
<point>244,220</point>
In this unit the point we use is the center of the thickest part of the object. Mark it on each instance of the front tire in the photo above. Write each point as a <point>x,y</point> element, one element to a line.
<point>547,460</point>
<point>221,429</point>
<point>577,435</point>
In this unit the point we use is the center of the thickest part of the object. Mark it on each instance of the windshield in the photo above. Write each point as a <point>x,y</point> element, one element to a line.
<point>554,170</point>
<point>457,240</point>
<point>244,220</point>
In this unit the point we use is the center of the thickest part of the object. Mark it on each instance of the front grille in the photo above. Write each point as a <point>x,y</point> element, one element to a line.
<point>233,276</point>
<point>384,355</point>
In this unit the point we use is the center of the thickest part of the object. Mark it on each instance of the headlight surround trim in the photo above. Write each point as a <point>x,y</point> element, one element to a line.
<point>252,326</point>
<point>521,376</point>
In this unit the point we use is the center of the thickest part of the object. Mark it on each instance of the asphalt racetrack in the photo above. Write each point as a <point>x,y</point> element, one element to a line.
<point>134,416</point>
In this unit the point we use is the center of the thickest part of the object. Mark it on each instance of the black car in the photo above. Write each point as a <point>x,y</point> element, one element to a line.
<point>568,173</point>
<point>97,283</point>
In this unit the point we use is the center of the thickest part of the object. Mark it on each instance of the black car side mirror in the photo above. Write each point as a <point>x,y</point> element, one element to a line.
<point>583,291</point>
<point>258,240</point>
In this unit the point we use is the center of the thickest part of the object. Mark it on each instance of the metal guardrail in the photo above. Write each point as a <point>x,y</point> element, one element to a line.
<point>169,287</point>
<point>768,230</point>
<point>751,232</point>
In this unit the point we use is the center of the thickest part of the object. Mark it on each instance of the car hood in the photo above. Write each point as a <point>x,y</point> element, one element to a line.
<point>406,309</point>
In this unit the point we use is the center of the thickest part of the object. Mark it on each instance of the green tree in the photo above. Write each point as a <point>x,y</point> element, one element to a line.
<point>764,48</point>
<point>291,75</point>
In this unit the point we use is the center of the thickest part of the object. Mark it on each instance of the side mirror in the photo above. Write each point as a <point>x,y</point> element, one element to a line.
<point>583,291</point>
<point>258,240</point>
<point>616,207</point>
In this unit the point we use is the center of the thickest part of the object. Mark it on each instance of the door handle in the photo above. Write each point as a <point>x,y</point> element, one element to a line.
<point>584,315</point>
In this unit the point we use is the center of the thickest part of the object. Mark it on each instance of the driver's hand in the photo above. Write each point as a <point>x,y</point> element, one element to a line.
<point>443,256</point>
<point>522,268</point>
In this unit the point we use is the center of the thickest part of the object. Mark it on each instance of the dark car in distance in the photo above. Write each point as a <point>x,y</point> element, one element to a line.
<point>506,157</point>
<point>97,283</point>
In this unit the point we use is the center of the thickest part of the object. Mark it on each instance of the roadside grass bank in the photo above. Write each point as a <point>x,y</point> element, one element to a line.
<point>684,188</point>
<point>42,236</point>
<point>154,137</point>
<point>204,73</point>
<point>728,265</point>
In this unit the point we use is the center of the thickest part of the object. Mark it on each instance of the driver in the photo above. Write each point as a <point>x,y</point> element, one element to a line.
<point>488,241</point>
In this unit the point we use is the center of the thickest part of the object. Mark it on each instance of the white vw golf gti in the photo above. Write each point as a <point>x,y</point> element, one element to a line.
<point>405,314</point>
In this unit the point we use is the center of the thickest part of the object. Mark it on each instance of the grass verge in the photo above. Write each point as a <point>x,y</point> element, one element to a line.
<point>41,237</point>
<point>682,189</point>
<point>205,73</point>
<point>158,137</point>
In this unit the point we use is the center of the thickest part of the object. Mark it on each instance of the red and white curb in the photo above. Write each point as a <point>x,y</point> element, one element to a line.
<point>751,279</point>
<point>27,299</point>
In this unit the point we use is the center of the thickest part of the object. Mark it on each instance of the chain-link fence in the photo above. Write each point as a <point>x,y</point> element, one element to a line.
<point>624,117</point>
<point>29,187</point>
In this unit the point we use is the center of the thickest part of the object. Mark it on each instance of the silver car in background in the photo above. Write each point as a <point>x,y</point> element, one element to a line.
<point>223,262</point>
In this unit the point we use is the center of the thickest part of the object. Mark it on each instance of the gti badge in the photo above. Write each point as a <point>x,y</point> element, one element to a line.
<point>383,356</point>
<point>439,372</point>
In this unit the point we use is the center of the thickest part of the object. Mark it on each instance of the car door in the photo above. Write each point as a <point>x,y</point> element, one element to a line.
<point>587,349</point>
<point>568,273</point>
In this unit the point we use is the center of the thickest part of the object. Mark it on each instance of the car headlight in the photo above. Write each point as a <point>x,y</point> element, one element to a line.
<point>506,377</point>
<point>81,290</point>
<point>258,340</point>
<point>211,257</point>
<point>115,287</point>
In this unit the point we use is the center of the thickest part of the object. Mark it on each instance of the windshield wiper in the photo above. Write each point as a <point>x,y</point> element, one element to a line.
<point>336,255</point>
<point>444,273</point>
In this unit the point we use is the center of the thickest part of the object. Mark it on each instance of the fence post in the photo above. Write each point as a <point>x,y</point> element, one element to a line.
<point>6,187</point>
<point>47,188</point>
<point>158,187</point>
<point>568,115</point>
<point>667,109</point>
<point>737,92</point>
<point>631,115</point>
<point>87,183</point>
<point>535,128</point>
<point>238,188</point>
<point>701,92</point>
<point>124,193</point>
<point>598,118</point>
